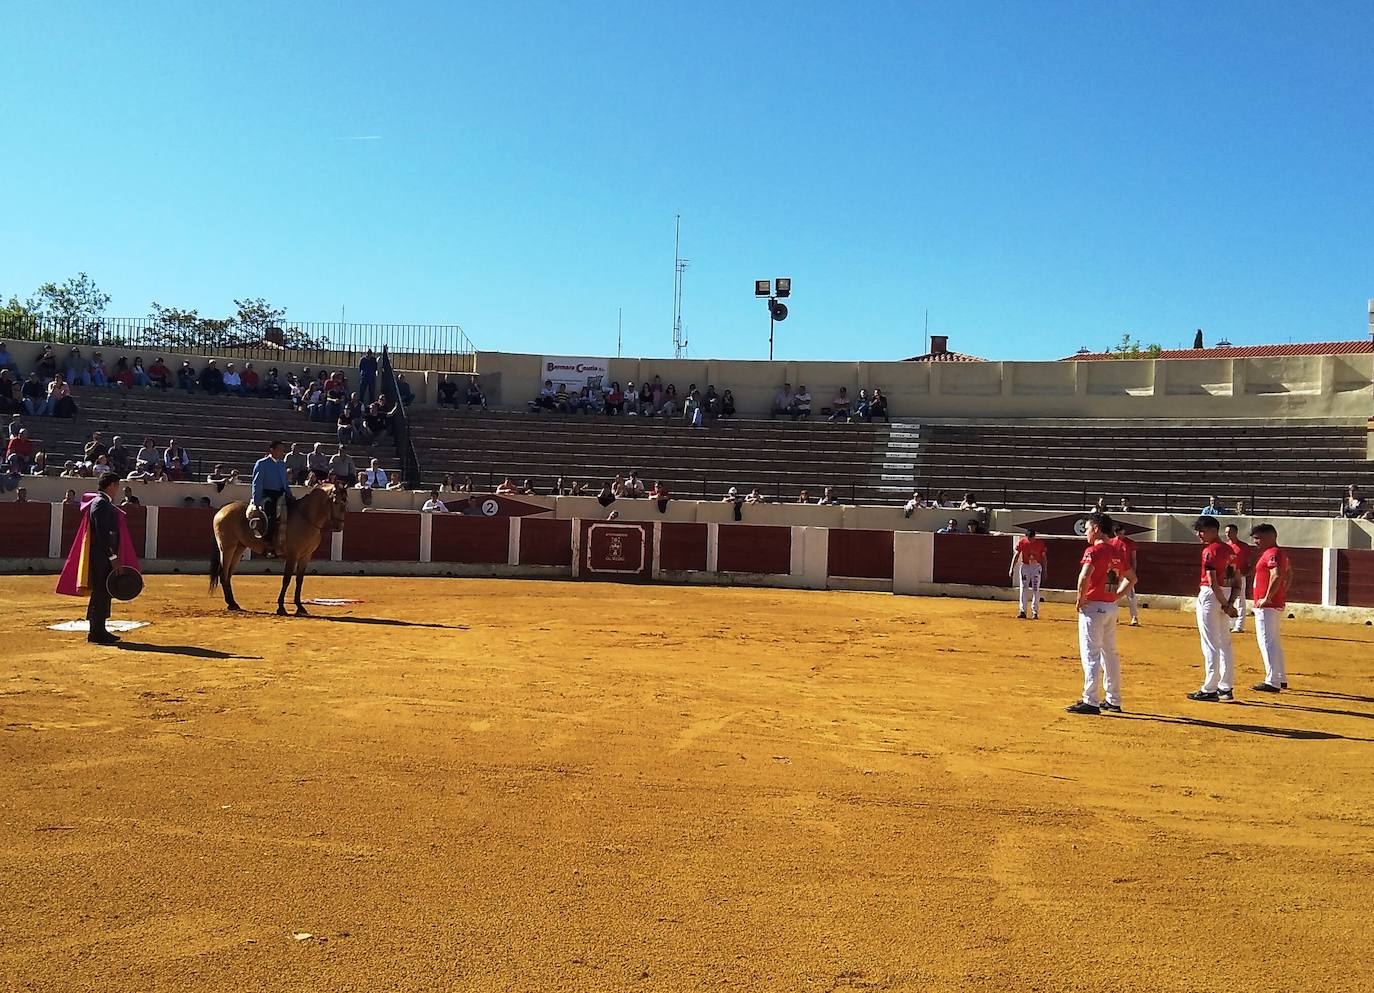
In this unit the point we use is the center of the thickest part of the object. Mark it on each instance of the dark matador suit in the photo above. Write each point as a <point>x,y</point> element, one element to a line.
<point>103,543</point>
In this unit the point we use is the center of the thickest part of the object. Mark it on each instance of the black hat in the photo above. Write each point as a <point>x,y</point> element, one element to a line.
<point>124,585</point>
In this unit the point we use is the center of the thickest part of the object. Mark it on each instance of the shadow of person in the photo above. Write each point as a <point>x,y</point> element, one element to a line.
<point>193,651</point>
<point>1297,734</point>
<point>1276,705</point>
<point>1332,695</point>
<point>386,621</point>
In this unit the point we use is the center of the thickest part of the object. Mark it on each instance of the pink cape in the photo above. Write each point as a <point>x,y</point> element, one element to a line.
<point>73,578</point>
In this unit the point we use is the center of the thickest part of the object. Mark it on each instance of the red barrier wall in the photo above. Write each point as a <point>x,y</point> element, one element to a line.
<point>682,547</point>
<point>1354,577</point>
<point>762,548</point>
<point>472,540</point>
<point>185,533</point>
<point>545,541</point>
<point>860,554</point>
<point>973,559</point>
<point>1307,575</point>
<point>24,530</point>
<point>380,537</point>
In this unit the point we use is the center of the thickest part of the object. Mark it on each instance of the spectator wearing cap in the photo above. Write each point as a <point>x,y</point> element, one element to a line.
<point>248,380</point>
<point>828,498</point>
<point>473,395</point>
<point>211,380</point>
<point>186,377</point>
<point>233,382</point>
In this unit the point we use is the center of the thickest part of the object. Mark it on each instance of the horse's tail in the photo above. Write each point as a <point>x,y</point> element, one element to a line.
<point>215,564</point>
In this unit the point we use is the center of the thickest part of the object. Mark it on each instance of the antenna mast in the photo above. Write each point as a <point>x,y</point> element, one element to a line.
<point>679,266</point>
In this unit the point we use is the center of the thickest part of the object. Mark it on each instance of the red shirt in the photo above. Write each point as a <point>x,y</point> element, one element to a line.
<point>1240,556</point>
<point>1271,558</point>
<point>249,378</point>
<point>1216,556</point>
<point>1126,547</point>
<point>1031,550</point>
<point>1101,559</point>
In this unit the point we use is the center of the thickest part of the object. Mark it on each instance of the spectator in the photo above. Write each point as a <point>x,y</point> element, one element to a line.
<point>147,456</point>
<point>877,406</point>
<point>546,398</point>
<point>297,464</point>
<point>615,401</point>
<point>526,489</point>
<point>10,400</point>
<point>69,499</point>
<point>122,376</point>
<point>449,483</point>
<point>21,495</point>
<point>755,496</point>
<point>634,486</point>
<point>839,407</point>
<point>1240,509</point>
<point>561,401</point>
<point>403,388</point>
<point>646,399</point>
<point>860,411</point>
<point>731,495</point>
<point>40,464</point>
<point>973,527</point>
<point>211,380</point>
<point>97,367</point>
<point>1100,507</point>
<point>710,401</point>
<point>606,496</point>
<point>914,504</point>
<point>784,401</point>
<point>828,498</point>
<point>618,486</point>
<point>186,377</point>
<point>206,504</point>
<point>176,462</point>
<point>60,400</point>
<point>295,392</point>
<point>376,476</point>
<point>804,496</point>
<point>367,376</point>
<point>343,424</point>
<point>315,402</point>
<point>249,380</point>
<point>46,366</point>
<point>467,486</point>
<point>951,527</point>
<point>34,395</point>
<point>505,487</point>
<point>727,404</point>
<point>689,407</point>
<point>130,498</point>
<point>659,494</point>
<point>341,467</point>
<point>19,451</point>
<point>76,369</point>
<point>362,483</point>
<point>1353,506</point>
<point>318,461</point>
<point>158,374</point>
<point>670,404</point>
<point>271,387</point>
<point>473,395</point>
<point>1213,508</point>
<point>801,404</point>
<point>396,482</point>
<point>95,447</point>
<point>970,502</point>
<point>447,392</point>
<point>6,360</point>
<point>189,501</point>
<point>313,478</point>
<point>657,394</point>
<point>376,421</point>
<point>10,476</point>
<point>219,476</point>
<point>1126,507</point>
<point>434,505</point>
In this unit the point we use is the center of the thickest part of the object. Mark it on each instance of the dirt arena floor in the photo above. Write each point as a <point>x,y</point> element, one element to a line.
<point>517,785</point>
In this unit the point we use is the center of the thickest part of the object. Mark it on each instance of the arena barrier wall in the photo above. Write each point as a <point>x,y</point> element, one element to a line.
<point>35,537</point>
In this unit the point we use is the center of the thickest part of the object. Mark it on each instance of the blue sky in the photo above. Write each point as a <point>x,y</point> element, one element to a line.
<point>1038,175</point>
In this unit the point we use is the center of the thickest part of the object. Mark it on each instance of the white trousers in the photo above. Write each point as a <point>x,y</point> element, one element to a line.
<point>1271,650</point>
<point>1133,604</point>
<point>1218,662</point>
<point>1239,602</point>
<point>1097,648</point>
<point>1029,577</point>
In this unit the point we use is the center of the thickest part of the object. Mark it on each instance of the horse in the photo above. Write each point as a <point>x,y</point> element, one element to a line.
<point>323,508</point>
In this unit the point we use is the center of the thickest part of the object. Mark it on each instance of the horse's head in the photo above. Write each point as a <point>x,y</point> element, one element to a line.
<point>337,507</point>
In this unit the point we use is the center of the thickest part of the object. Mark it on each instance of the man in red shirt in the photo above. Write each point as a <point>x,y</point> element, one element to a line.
<point>1240,561</point>
<point>1126,547</point>
<point>1213,608</point>
<point>1273,573</point>
<point>1028,563</point>
<point>1097,617</point>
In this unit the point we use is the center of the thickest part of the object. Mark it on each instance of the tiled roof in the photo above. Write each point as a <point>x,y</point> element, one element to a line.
<point>944,357</point>
<point>1246,351</point>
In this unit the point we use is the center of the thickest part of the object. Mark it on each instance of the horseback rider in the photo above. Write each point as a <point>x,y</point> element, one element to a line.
<point>270,489</point>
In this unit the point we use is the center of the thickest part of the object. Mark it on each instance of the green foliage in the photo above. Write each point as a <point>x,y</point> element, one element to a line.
<point>77,302</point>
<point>1129,348</point>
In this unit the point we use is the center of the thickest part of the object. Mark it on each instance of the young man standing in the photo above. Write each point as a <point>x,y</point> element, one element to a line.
<point>1213,608</point>
<point>1028,563</point>
<point>1273,573</point>
<point>1240,562</point>
<point>1126,547</point>
<point>1097,611</point>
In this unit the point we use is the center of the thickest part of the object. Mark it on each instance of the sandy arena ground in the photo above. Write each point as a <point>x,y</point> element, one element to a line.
<point>514,785</point>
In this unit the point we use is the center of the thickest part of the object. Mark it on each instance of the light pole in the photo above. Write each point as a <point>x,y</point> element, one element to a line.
<point>774,292</point>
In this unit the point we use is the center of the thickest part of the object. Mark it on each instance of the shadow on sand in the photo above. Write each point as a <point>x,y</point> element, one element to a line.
<point>1297,734</point>
<point>191,650</point>
<point>385,621</point>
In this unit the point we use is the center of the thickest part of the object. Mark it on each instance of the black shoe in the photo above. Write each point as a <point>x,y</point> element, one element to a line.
<point>1021,615</point>
<point>102,638</point>
<point>1283,685</point>
<point>1224,696</point>
<point>1203,696</point>
<point>1114,708</point>
<point>1265,688</point>
<point>1079,707</point>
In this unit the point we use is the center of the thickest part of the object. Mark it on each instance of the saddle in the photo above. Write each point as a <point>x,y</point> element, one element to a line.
<point>258,524</point>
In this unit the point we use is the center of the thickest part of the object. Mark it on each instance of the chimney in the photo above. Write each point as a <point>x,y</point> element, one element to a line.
<point>939,344</point>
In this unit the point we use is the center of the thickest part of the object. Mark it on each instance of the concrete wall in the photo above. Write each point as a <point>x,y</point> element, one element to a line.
<point>1339,386</point>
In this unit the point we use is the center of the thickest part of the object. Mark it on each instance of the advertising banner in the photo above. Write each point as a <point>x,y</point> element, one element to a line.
<point>574,372</point>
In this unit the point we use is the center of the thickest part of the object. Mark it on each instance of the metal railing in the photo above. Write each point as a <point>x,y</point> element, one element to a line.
<point>440,347</point>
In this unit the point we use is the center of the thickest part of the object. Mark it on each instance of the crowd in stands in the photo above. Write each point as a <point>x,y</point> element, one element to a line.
<point>796,404</point>
<point>650,399</point>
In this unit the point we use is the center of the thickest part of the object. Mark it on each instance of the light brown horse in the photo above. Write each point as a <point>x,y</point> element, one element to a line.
<point>320,510</point>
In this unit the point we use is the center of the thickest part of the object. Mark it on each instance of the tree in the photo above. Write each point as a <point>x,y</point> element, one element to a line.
<point>258,316</point>
<point>1129,348</point>
<point>78,301</point>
